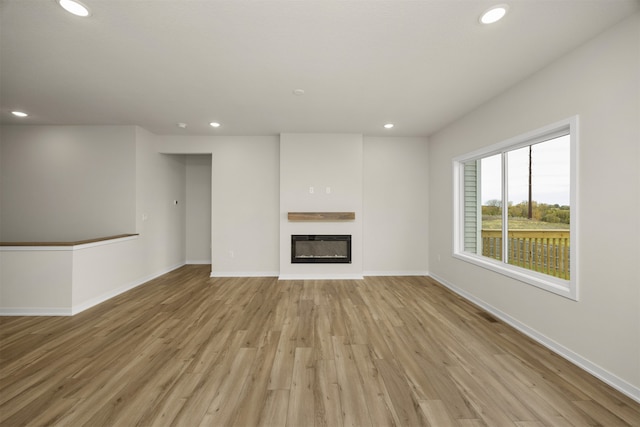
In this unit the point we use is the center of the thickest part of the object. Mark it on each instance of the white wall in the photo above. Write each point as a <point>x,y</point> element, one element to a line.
<point>160,180</point>
<point>321,161</point>
<point>66,183</point>
<point>35,282</point>
<point>198,203</point>
<point>599,82</point>
<point>44,281</point>
<point>395,206</point>
<point>383,179</point>
<point>106,270</point>
<point>245,200</point>
<point>103,270</point>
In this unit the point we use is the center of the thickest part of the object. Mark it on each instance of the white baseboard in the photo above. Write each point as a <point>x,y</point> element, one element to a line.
<point>320,277</point>
<point>35,311</point>
<point>313,276</point>
<point>396,273</point>
<point>614,381</point>
<point>198,261</point>
<point>244,274</point>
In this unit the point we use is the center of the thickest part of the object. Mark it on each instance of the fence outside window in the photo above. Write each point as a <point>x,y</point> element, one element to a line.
<point>544,251</point>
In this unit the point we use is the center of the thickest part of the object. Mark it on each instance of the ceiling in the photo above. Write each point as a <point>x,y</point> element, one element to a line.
<point>361,63</point>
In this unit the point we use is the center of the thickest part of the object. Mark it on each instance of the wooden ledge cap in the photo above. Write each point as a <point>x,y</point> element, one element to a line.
<point>66,243</point>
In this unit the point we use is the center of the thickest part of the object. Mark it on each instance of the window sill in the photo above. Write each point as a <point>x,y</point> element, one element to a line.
<point>551,284</point>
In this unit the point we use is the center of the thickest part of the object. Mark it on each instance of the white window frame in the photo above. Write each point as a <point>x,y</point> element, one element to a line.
<point>565,288</point>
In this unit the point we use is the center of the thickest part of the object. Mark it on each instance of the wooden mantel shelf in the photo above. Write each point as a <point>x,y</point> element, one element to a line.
<point>322,216</point>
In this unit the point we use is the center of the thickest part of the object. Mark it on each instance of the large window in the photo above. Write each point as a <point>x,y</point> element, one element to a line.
<point>515,209</point>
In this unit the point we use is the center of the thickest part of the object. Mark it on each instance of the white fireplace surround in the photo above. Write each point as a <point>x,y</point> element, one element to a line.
<point>321,173</point>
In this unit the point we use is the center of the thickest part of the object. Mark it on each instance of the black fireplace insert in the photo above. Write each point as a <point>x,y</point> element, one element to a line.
<point>321,248</point>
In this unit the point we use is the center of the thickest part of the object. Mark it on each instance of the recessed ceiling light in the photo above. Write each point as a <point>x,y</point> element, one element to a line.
<point>74,7</point>
<point>388,126</point>
<point>19,114</point>
<point>298,92</point>
<point>494,14</point>
<point>214,124</point>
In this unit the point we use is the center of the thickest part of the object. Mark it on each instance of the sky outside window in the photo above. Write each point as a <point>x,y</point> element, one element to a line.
<point>550,169</point>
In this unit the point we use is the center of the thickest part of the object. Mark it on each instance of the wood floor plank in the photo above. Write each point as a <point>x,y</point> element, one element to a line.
<point>275,409</point>
<point>529,424</point>
<point>553,395</point>
<point>409,358</point>
<point>306,323</point>
<point>377,396</point>
<point>323,345</point>
<point>301,408</point>
<point>282,369</point>
<point>472,422</point>
<point>523,388</point>
<point>186,349</point>
<point>204,391</point>
<point>435,411</point>
<point>404,402</point>
<point>255,388</point>
<point>482,402</point>
<point>226,400</point>
<point>598,413</point>
<point>327,395</point>
<point>383,300</point>
<point>352,400</point>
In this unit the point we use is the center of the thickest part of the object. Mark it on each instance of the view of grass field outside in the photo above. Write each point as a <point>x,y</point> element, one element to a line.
<point>538,207</point>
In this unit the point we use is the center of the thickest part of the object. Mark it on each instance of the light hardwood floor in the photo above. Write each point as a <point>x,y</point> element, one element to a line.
<point>189,350</point>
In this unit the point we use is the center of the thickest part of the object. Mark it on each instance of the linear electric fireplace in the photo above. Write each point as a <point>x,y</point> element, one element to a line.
<point>316,248</point>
